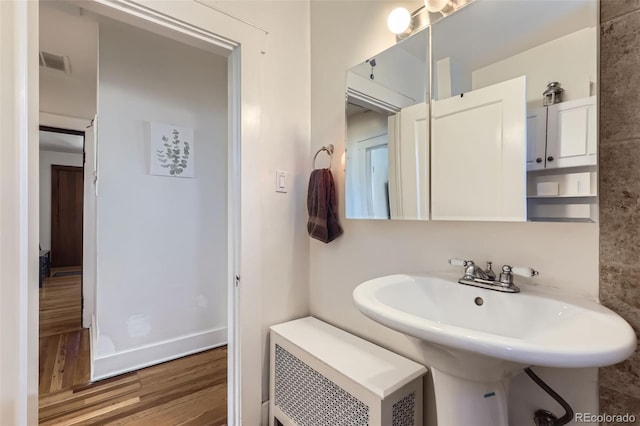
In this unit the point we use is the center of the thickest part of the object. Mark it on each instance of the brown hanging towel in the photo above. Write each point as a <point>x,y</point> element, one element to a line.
<point>321,203</point>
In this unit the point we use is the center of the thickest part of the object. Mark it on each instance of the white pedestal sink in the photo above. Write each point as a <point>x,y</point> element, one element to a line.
<point>476,339</point>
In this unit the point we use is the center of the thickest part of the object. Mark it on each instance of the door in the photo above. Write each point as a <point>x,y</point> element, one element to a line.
<point>66,215</point>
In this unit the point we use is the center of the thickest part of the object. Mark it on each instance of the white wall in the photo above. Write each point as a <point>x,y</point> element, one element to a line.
<point>47,159</point>
<point>565,254</point>
<point>365,125</point>
<point>571,60</point>
<point>162,241</point>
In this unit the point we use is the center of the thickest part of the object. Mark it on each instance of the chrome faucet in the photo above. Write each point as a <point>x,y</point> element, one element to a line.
<point>477,277</point>
<point>473,271</point>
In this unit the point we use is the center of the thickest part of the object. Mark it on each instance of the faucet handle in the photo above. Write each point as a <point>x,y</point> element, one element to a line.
<point>524,271</point>
<point>506,276</point>
<point>460,262</point>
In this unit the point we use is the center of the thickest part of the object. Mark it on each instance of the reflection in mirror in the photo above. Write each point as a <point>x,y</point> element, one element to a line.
<point>387,154</point>
<point>487,44</point>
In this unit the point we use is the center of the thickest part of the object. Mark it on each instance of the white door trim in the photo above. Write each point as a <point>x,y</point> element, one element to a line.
<point>194,24</point>
<point>167,24</point>
<point>19,213</point>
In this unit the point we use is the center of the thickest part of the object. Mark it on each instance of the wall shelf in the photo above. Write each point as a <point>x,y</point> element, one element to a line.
<point>551,197</point>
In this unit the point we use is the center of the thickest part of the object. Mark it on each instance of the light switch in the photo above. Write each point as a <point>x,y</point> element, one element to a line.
<point>281,181</point>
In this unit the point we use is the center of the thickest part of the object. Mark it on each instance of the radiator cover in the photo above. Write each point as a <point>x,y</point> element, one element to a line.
<point>309,398</point>
<point>306,390</point>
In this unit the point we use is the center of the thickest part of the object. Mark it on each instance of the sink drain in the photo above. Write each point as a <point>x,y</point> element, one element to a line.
<point>479,301</point>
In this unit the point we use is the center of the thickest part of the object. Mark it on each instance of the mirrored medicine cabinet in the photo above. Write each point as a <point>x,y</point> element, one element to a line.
<point>453,122</point>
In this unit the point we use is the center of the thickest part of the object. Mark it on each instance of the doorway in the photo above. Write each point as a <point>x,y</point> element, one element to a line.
<point>61,154</point>
<point>158,235</point>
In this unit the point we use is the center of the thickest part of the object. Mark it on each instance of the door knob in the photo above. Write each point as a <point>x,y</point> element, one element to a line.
<point>550,158</point>
<point>538,160</point>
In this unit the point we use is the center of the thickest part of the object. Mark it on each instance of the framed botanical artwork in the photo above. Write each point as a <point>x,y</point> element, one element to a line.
<point>171,150</point>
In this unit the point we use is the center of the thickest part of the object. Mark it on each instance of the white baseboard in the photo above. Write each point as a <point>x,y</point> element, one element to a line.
<point>145,356</point>
<point>93,347</point>
<point>264,414</point>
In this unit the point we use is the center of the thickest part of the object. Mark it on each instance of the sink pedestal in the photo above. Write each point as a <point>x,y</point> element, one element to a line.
<point>467,402</point>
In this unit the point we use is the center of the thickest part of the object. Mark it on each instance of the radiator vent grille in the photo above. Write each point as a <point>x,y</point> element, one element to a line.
<point>403,413</point>
<point>310,399</point>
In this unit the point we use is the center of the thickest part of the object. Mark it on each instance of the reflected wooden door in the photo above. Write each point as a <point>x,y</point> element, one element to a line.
<point>66,216</point>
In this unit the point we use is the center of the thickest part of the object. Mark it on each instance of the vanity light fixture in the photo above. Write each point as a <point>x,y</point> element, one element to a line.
<point>403,23</point>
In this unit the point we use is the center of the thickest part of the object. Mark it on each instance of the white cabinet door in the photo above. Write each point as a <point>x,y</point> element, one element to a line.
<point>409,163</point>
<point>536,138</point>
<point>571,133</point>
<point>478,154</point>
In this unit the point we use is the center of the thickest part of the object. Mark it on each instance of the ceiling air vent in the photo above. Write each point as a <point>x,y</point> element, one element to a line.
<point>55,62</point>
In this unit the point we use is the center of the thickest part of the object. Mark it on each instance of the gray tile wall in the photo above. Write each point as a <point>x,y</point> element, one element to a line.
<point>620,190</point>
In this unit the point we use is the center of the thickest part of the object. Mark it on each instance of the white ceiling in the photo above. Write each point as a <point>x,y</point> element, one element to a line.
<point>65,30</point>
<point>61,142</point>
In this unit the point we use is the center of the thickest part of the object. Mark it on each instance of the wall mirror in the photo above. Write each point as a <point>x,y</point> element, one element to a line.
<point>501,148</point>
<point>494,142</point>
<point>387,151</point>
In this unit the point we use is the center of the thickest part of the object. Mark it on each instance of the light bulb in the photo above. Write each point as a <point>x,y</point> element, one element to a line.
<point>434,6</point>
<point>399,20</point>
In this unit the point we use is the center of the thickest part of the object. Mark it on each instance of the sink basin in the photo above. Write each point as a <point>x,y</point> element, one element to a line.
<point>527,328</point>
<point>476,338</point>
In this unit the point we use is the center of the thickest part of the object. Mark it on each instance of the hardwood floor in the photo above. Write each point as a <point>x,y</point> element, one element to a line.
<point>64,361</point>
<point>188,391</point>
<point>60,303</point>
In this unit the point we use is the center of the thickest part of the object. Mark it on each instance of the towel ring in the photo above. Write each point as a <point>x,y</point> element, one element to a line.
<point>328,149</point>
